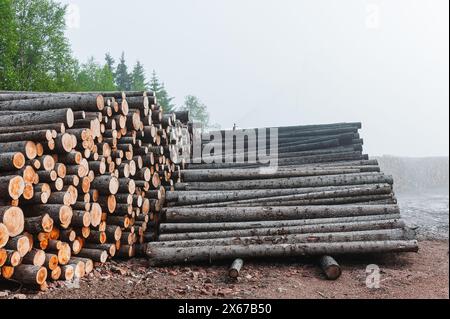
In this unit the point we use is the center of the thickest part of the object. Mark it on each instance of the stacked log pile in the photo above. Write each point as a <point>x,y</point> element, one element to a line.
<point>325,198</point>
<point>82,179</point>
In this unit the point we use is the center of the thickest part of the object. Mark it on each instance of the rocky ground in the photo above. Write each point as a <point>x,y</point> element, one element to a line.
<point>410,275</point>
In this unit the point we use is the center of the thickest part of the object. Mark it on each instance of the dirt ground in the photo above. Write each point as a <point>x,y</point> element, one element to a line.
<point>409,275</point>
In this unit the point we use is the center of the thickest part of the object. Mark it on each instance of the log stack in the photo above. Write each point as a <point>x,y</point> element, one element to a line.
<point>325,197</point>
<point>83,177</point>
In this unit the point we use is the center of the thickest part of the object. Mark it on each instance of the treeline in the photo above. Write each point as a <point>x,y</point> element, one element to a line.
<point>35,55</point>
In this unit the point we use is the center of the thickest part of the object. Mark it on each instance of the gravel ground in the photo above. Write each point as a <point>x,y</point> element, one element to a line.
<point>409,275</point>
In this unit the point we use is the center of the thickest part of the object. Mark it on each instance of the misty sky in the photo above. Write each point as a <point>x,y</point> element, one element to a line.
<point>282,62</point>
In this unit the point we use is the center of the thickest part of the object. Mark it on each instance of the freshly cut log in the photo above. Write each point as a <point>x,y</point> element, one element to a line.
<point>35,225</point>
<point>161,256</point>
<point>235,268</point>
<point>28,274</point>
<point>88,263</point>
<point>183,198</point>
<point>343,196</point>
<point>51,261</point>
<point>4,235</point>
<point>64,254</point>
<point>39,117</point>
<point>94,254</point>
<point>56,274</point>
<point>3,257</point>
<point>79,268</point>
<point>11,161</point>
<point>60,214</point>
<point>330,267</point>
<point>367,235</point>
<point>67,272</point>
<point>208,227</point>
<point>85,102</point>
<point>27,148</point>
<point>326,228</point>
<point>58,128</point>
<point>11,187</point>
<point>238,214</point>
<point>13,258</point>
<point>35,257</point>
<point>107,185</point>
<point>21,244</point>
<point>295,182</point>
<point>13,219</point>
<point>7,272</point>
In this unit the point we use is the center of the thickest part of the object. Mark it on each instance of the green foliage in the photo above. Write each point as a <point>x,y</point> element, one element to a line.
<point>198,111</point>
<point>41,56</point>
<point>161,94</point>
<point>138,82</point>
<point>123,78</point>
<point>94,77</point>
<point>110,62</point>
<point>35,55</point>
<point>8,45</point>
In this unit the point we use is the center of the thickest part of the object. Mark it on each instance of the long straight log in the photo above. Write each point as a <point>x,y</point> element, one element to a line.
<point>367,235</point>
<point>39,117</point>
<point>85,102</point>
<point>209,227</point>
<point>361,194</point>
<point>169,256</point>
<point>185,198</point>
<point>295,182</point>
<point>326,228</point>
<point>237,214</point>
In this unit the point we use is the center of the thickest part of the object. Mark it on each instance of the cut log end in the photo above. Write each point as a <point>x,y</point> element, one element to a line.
<point>330,267</point>
<point>70,118</point>
<point>18,160</point>
<point>13,219</point>
<point>4,237</point>
<point>16,187</point>
<point>30,150</point>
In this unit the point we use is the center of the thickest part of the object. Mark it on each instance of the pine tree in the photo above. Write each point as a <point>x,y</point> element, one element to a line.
<point>161,94</point>
<point>198,111</point>
<point>138,78</point>
<point>110,62</point>
<point>122,77</point>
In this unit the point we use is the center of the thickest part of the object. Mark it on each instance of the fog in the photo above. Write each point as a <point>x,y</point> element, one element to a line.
<point>270,63</point>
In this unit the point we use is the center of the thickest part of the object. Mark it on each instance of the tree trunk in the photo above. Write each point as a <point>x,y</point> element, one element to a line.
<point>295,182</point>
<point>241,214</point>
<point>235,268</point>
<point>39,117</point>
<point>330,267</point>
<point>31,275</point>
<point>169,256</point>
<point>209,227</point>
<point>318,228</point>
